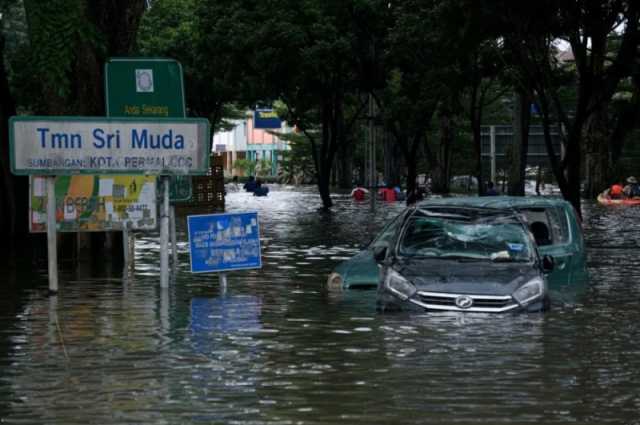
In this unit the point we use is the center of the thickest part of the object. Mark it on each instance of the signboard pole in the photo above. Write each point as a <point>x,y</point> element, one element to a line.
<point>52,252</point>
<point>129,247</point>
<point>125,247</point>
<point>492,153</point>
<point>164,235</point>
<point>223,283</point>
<point>174,243</point>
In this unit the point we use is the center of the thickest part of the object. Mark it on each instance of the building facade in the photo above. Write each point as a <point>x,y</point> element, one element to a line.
<point>245,141</point>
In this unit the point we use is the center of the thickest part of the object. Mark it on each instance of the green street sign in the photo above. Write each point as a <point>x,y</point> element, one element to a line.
<point>143,87</point>
<point>180,189</point>
<point>148,87</point>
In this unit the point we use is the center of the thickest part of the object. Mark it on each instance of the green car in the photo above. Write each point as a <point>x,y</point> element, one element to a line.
<point>552,223</point>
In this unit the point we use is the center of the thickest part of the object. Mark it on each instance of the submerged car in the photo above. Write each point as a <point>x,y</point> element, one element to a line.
<point>551,228</point>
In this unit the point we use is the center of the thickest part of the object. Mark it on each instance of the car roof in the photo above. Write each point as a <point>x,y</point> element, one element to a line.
<point>502,202</point>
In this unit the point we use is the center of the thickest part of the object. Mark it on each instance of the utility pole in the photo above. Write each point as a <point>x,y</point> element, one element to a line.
<point>373,175</point>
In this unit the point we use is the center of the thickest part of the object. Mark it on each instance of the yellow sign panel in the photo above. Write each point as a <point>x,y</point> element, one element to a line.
<point>86,203</point>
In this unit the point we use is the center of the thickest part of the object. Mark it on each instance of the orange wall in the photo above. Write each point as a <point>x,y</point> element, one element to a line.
<point>258,136</point>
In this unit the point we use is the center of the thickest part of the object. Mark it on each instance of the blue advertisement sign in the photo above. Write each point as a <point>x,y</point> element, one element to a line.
<point>223,242</point>
<point>266,118</point>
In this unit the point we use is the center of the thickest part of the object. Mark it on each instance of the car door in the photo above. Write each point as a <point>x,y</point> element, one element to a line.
<point>561,249</point>
<point>558,244</point>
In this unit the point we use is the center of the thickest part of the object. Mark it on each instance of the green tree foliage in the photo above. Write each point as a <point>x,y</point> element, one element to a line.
<point>305,53</point>
<point>588,122</point>
<point>247,166</point>
<point>12,189</point>
<point>56,30</point>
<point>424,78</point>
<point>55,56</point>
<point>170,28</point>
<point>297,162</point>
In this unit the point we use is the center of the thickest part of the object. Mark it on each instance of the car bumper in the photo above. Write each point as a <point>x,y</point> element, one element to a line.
<point>439,301</point>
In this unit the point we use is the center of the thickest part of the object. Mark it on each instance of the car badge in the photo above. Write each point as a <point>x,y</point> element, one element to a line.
<point>464,301</point>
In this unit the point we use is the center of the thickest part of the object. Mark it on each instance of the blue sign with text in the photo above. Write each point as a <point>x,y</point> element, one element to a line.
<point>266,118</point>
<point>223,242</point>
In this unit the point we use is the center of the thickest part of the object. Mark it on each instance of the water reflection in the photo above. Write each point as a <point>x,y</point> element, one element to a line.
<point>277,348</point>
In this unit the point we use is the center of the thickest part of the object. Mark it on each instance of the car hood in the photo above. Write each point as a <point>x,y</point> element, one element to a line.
<point>457,277</point>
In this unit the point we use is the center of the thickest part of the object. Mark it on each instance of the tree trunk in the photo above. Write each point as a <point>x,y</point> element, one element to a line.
<point>392,160</point>
<point>412,174</point>
<point>597,159</point>
<point>345,168</point>
<point>476,131</point>
<point>573,165</point>
<point>520,144</point>
<point>118,20</point>
<point>324,187</point>
<point>442,167</point>
<point>14,190</point>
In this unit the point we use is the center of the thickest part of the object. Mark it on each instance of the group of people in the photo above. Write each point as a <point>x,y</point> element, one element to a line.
<point>388,193</point>
<point>255,185</point>
<point>394,193</point>
<point>628,191</point>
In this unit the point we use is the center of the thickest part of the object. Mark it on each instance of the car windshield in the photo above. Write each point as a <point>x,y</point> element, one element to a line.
<point>456,235</point>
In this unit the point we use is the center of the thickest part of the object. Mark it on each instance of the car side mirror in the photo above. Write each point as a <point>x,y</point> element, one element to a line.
<point>548,263</point>
<point>380,253</point>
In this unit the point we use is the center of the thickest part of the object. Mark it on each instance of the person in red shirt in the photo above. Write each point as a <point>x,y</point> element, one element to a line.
<point>358,193</point>
<point>616,191</point>
<point>388,194</point>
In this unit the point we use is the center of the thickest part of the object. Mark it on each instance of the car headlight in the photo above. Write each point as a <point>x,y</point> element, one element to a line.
<point>529,291</point>
<point>334,281</point>
<point>398,285</point>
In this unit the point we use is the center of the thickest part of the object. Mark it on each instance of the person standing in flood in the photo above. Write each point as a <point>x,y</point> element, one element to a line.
<point>491,190</point>
<point>616,191</point>
<point>388,193</point>
<point>250,185</point>
<point>632,189</point>
<point>260,190</point>
<point>358,193</point>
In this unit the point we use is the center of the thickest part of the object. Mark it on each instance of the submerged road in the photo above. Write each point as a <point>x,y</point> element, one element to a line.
<point>277,348</point>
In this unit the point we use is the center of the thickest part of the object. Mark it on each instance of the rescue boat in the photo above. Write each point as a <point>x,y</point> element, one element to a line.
<point>605,200</point>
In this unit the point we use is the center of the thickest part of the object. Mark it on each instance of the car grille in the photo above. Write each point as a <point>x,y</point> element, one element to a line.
<point>481,303</point>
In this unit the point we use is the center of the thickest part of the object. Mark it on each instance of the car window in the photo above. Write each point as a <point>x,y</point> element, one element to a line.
<point>549,226</point>
<point>539,225</point>
<point>559,225</point>
<point>387,234</point>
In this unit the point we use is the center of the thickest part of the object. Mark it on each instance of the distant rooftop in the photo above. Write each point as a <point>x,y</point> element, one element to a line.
<point>565,56</point>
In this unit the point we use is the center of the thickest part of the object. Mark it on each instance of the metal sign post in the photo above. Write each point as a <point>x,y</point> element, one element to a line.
<point>223,283</point>
<point>373,177</point>
<point>174,242</point>
<point>125,247</point>
<point>164,235</point>
<point>492,153</point>
<point>52,249</point>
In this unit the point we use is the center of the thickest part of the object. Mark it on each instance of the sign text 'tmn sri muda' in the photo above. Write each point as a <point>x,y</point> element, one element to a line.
<point>71,145</point>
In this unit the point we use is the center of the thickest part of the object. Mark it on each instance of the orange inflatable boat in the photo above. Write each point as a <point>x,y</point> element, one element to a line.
<point>605,200</point>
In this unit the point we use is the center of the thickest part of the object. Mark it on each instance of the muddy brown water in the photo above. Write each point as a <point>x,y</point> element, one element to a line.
<point>277,348</point>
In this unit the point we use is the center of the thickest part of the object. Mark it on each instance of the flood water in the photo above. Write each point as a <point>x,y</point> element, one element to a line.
<point>277,348</point>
